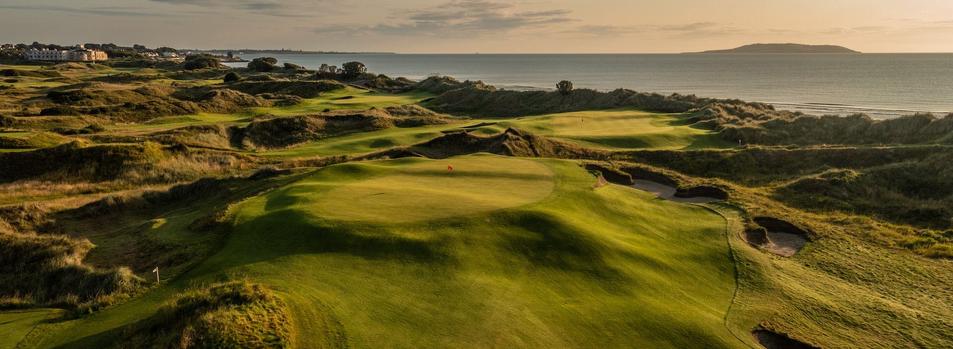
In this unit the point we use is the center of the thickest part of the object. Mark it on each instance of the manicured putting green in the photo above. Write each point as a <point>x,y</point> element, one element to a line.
<point>628,129</point>
<point>414,190</point>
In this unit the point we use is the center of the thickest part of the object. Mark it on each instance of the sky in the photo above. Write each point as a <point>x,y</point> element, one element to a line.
<point>484,26</point>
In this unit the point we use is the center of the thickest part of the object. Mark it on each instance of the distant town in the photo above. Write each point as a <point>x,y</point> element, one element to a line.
<point>92,52</point>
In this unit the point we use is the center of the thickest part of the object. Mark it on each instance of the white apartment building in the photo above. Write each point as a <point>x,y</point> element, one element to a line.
<point>78,54</point>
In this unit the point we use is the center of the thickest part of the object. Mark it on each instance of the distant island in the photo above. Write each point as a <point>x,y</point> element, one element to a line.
<point>785,48</point>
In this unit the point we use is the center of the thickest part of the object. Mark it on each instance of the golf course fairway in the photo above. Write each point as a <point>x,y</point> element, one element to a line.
<point>499,252</point>
<point>622,129</point>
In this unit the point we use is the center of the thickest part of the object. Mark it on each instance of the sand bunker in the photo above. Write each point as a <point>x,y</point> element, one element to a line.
<point>668,192</point>
<point>772,340</point>
<point>777,236</point>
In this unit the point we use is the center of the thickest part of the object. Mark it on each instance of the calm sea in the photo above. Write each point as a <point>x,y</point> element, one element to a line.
<point>882,85</point>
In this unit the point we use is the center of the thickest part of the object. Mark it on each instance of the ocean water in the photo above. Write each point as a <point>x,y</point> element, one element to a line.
<point>881,85</point>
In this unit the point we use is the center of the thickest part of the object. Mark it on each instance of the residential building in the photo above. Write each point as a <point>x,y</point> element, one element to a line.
<point>79,54</point>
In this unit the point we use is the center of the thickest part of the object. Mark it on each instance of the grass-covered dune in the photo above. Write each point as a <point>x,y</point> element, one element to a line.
<point>488,102</point>
<point>500,251</point>
<point>130,163</point>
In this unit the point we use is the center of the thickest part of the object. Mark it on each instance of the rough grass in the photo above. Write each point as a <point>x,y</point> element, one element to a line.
<point>49,270</point>
<point>30,140</point>
<point>224,315</point>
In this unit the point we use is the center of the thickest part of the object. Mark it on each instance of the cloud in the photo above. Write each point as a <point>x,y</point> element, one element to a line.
<point>707,29</point>
<point>902,26</point>
<point>856,30</point>
<point>296,8</point>
<point>696,29</point>
<point>99,11</point>
<point>459,18</point>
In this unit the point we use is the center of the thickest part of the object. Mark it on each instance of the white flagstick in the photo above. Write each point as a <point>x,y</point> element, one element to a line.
<point>156,270</point>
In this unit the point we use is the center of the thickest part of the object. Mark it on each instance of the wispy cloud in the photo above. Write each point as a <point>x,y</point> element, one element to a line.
<point>99,11</point>
<point>458,18</point>
<point>695,29</point>
<point>900,26</point>
<point>294,8</point>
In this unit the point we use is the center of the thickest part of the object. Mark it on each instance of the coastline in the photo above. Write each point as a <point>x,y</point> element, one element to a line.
<point>840,84</point>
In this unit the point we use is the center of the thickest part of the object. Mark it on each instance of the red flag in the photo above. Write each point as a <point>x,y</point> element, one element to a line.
<point>449,168</point>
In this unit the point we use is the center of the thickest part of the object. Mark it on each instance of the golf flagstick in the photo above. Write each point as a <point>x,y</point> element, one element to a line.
<point>156,270</point>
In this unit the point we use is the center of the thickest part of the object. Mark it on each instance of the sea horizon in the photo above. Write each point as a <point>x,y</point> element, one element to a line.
<point>881,85</point>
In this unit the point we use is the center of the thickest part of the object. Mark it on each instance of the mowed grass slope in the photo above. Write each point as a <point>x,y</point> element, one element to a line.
<point>346,98</point>
<point>501,252</point>
<point>624,128</point>
<point>557,263</point>
<point>362,143</point>
<point>15,325</point>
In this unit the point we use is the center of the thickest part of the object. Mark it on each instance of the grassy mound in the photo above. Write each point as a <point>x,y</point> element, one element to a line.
<point>905,192</point>
<point>303,89</point>
<point>511,142</point>
<point>225,315</point>
<point>361,143</point>
<point>608,267</point>
<point>140,102</point>
<point>131,163</point>
<point>578,266</point>
<point>30,140</point>
<point>441,84</point>
<point>755,123</point>
<point>48,270</point>
<point>505,103</point>
<point>287,131</point>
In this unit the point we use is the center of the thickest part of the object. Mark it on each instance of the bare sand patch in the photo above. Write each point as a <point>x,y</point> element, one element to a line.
<point>667,192</point>
<point>777,236</point>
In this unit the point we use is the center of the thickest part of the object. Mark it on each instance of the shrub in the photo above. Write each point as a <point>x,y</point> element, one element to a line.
<point>564,87</point>
<point>354,69</point>
<point>292,66</point>
<point>263,64</point>
<point>231,77</point>
<point>195,62</point>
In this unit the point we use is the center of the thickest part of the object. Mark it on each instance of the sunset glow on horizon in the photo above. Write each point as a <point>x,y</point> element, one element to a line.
<point>487,26</point>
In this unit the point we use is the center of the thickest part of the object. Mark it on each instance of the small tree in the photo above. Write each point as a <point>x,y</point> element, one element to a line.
<point>564,87</point>
<point>354,69</point>
<point>231,77</point>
